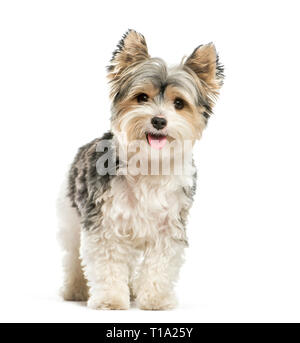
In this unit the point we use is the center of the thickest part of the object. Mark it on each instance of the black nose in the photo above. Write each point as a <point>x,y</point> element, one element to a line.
<point>158,122</point>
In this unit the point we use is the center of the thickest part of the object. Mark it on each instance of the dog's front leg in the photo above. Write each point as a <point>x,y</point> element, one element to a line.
<point>159,271</point>
<point>106,269</point>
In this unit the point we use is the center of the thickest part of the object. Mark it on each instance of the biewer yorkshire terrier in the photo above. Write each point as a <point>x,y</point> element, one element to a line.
<point>124,208</point>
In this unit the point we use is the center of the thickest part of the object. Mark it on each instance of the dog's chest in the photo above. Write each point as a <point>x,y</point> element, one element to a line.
<point>147,205</point>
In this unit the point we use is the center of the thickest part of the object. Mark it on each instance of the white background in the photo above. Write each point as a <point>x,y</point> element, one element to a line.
<point>244,229</point>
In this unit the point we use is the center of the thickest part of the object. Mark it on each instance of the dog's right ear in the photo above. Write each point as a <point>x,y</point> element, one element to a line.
<point>132,49</point>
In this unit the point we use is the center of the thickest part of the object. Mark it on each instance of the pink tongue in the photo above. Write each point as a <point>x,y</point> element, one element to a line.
<point>157,142</point>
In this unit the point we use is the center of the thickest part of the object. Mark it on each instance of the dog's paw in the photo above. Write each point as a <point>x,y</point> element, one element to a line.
<point>109,300</point>
<point>155,301</point>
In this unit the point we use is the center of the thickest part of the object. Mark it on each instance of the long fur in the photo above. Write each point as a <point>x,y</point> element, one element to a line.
<point>124,235</point>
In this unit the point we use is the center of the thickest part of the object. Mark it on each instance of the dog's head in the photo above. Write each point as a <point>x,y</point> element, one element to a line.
<point>154,103</point>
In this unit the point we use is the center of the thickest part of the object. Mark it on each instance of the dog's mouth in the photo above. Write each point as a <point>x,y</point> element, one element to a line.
<point>156,141</point>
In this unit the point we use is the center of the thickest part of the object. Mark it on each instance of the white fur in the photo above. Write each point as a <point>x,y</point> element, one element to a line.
<point>74,286</point>
<point>140,218</point>
<point>134,237</point>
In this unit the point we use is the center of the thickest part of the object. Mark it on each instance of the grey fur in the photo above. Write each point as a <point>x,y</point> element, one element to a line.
<point>154,71</point>
<point>85,183</point>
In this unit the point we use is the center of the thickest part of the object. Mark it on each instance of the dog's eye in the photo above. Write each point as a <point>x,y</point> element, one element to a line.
<point>142,97</point>
<point>179,104</point>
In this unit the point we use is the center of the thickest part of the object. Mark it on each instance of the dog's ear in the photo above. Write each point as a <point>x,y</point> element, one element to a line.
<point>204,62</point>
<point>131,49</point>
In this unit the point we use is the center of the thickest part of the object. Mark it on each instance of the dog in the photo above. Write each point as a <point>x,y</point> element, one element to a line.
<point>123,229</point>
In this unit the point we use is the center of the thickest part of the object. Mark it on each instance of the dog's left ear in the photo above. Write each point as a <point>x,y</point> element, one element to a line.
<point>204,62</point>
<point>132,49</point>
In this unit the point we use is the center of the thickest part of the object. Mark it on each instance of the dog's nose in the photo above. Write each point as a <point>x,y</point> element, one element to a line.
<point>158,122</point>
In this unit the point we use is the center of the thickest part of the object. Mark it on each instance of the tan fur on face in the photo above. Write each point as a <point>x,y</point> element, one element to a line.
<point>134,118</point>
<point>197,82</point>
<point>147,88</point>
<point>134,127</point>
<point>130,104</point>
<point>190,112</point>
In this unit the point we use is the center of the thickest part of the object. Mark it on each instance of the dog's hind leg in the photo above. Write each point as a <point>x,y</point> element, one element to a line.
<point>74,284</point>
